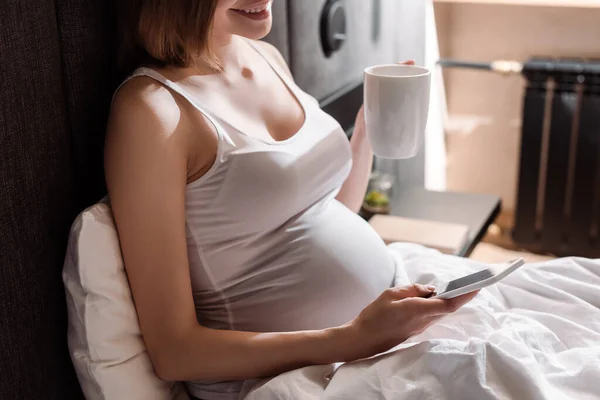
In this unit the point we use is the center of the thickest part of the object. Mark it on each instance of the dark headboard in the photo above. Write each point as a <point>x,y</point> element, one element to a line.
<point>56,78</point>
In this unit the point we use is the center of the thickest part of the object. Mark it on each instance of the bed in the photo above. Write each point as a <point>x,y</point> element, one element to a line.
<point>535,335</point>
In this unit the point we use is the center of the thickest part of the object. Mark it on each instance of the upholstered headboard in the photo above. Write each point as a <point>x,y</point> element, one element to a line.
<point>56,78</point>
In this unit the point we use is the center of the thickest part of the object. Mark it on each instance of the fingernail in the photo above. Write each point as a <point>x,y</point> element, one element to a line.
<point>430,288</point>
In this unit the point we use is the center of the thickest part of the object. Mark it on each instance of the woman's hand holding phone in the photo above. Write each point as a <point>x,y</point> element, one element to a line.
<point>398,314</point>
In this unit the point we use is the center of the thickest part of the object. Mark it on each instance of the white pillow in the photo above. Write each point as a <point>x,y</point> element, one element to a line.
<point>104,336</point>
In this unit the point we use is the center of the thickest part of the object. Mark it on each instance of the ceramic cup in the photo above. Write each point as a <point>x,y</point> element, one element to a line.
<point>396,108</point>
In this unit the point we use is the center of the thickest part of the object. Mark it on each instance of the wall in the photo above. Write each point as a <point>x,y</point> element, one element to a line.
<point>483,137</point>
<point>409,22</point>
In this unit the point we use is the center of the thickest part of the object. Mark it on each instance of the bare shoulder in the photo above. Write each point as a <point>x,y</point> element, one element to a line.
<point>144,110</point>
<point>144,103</point>
<point>143,137</point>
<point>274,54</point>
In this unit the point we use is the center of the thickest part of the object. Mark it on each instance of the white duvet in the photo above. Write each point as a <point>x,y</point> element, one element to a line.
<point>535,335</point>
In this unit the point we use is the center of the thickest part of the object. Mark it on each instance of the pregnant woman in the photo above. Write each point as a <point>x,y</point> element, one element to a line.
<point>235,198</point>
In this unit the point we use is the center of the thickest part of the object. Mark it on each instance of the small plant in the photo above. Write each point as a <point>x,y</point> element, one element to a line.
<point>377,199</point>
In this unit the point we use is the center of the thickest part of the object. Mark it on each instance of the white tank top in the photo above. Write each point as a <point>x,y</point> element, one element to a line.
<point>270,248</point>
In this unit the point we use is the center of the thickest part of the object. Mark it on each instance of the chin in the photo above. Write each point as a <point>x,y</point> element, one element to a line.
<point>256,33</point>
<point>254,30</point>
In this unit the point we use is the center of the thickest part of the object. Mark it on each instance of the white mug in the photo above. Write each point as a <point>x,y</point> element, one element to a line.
<point>396,108</point>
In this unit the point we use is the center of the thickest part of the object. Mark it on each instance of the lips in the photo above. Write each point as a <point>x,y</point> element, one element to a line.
<point>255,9</point>
<point>258,12</point>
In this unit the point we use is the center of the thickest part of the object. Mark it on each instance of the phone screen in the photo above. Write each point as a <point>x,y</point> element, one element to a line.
<point>477,280</point>
<point>468,280</point>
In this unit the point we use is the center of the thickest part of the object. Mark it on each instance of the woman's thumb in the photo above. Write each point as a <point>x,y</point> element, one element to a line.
<point>414,290</point>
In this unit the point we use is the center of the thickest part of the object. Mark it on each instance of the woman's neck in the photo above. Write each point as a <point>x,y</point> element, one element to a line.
<point>226,48</point>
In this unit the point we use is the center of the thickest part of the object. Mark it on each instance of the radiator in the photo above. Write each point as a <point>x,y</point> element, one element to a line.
<point>558,201</point>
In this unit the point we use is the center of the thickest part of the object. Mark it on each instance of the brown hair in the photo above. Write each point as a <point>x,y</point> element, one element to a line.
<point>166,32</point>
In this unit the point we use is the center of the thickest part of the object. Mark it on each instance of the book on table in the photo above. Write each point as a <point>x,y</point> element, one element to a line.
<point>445,237</point>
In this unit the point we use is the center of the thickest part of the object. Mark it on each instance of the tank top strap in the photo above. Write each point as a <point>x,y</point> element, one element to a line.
<point>150,73</point>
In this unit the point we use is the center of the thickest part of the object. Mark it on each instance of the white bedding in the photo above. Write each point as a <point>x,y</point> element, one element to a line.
<point>535,335</point>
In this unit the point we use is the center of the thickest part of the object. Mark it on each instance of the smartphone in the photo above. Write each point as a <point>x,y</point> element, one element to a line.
<point>478,280</point>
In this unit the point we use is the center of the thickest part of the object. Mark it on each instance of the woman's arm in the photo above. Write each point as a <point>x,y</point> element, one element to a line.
<point>354,188</point>
<point>146,168</point>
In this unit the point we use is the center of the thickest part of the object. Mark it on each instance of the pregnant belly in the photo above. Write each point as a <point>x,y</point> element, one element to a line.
<point>318,271</point>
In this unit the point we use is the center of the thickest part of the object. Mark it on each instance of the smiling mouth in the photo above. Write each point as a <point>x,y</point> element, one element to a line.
<point>257,13</point>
